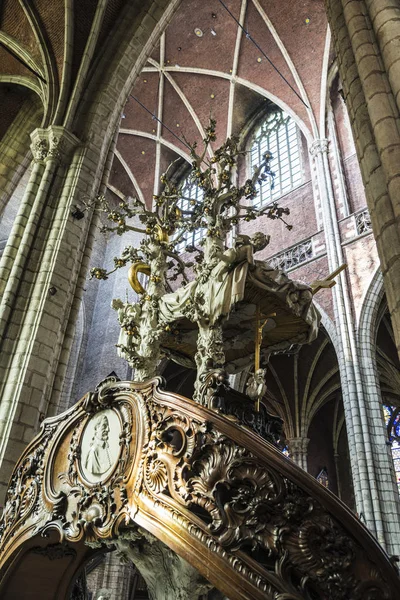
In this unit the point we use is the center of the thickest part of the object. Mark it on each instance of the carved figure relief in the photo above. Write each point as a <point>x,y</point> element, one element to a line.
<point>100,445</point>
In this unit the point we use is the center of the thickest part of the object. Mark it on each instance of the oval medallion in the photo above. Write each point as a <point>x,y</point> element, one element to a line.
<point>100,446</point>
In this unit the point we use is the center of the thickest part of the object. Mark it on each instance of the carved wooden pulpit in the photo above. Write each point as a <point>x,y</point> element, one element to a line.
<point>132,462</point>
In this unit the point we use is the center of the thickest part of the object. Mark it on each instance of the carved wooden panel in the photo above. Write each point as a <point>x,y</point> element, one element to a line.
<point>252,522</point>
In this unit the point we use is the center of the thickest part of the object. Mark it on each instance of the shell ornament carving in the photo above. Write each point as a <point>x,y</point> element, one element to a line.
<point>156,476</point>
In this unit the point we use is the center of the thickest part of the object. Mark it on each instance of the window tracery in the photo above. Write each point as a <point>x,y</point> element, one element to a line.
<point>191,193</point>
<point>363,222</point>
<point>294,256</point>
<point>279,136</point>
<point>322,478</point>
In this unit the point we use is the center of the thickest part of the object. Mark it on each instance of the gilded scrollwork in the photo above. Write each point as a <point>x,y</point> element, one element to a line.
<point>23,494</point>
<point>249,511</point>
<point>232,498</point>
<point>74,455</point>
<point>100,505</point>
<point>102,397</point>
<point>156,475</point>
<point>241,504</point>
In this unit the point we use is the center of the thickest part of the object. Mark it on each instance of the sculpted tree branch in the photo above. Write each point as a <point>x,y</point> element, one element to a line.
<point>142,328</point>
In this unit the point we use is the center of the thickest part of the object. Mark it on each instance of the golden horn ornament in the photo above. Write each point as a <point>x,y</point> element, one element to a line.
<point>161,233</point>
<point>138,267</point>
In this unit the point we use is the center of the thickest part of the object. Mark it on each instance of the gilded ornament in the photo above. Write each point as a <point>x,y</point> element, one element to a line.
<point>136,268</point>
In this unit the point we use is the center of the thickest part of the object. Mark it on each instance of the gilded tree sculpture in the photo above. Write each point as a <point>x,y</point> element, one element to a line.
<point>206,289</point>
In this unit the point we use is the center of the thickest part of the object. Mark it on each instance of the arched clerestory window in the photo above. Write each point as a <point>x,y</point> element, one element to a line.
<point>190,193</point>
<point>279,135</point>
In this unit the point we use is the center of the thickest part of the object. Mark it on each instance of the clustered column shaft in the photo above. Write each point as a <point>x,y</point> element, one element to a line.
<point>368,453</point>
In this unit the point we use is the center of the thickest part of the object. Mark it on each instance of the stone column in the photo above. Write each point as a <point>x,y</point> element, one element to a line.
<point>64,392</point>
<point>319,150</point>
<point>42,267</point>
<point>371,95</point>
<point>337,161</point>
<point>366,444</point>
<point>14,149</point>
<point>39,271</point>
<point>298,451</point>
<point>48,148</point>
<point>336,458</point>
<point>366,343</point>
<point>385,18</point>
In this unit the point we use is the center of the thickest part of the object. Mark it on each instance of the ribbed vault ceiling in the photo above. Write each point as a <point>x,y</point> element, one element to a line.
<point>44,45</point>
<point>219,71</point>
<point>187,77</point>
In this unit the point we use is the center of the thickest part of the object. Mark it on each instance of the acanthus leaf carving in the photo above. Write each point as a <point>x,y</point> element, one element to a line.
<point>248,509</point>
<point>40,150</point>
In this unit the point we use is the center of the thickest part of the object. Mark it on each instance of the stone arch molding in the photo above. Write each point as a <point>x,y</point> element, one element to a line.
<point>131,461</point>
<point>370,305</point>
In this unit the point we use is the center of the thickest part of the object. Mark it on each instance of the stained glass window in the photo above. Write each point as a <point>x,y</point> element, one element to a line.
<point>190,193</point>
<point>392,421</point>
<point>322,478</point>
<point>278,135</point>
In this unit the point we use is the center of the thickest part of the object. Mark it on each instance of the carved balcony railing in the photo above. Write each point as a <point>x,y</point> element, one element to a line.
<point>246,517</point>
<point>363,222</point>
<point>293,256</point>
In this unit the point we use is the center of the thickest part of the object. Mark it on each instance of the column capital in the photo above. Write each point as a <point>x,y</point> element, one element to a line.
<point>298,445</point>
<point>52,143</point>
<point>319,146</point>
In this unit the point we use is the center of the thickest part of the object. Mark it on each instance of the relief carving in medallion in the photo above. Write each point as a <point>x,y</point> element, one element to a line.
<point>100,446</point>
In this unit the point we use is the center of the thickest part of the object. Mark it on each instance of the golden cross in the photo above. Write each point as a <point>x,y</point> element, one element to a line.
<point>258,341</point>
<point>328,282</point>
